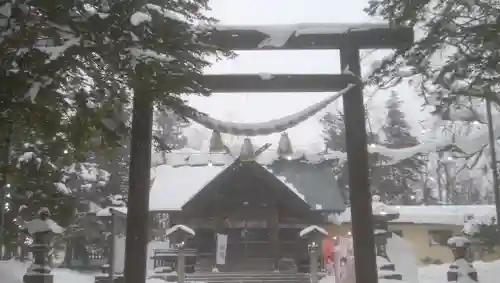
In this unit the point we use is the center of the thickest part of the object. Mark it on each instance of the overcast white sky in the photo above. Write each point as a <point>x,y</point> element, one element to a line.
<point>260,107</point>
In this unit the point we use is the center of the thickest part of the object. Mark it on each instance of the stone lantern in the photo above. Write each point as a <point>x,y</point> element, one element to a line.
<point>42,229</point>
<point>178,235</point>
<point>315,235</point>
<point>460,269</point>
<point>382,214</point>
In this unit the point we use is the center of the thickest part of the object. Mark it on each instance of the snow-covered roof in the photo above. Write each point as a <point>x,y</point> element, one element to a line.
<point>436,214</point>
<point>174,186</point>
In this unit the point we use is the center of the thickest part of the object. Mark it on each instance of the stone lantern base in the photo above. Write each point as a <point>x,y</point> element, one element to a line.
<point>38,278</point>
<point>107,279</point>
<point>387,270</point>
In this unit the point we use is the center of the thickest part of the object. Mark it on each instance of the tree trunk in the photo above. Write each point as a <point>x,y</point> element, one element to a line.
<point>439,183</point>
<point>138,194</point>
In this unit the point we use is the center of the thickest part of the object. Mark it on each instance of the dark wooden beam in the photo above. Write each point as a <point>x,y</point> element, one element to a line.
<point>311,36</point>
<point>277,83</point>
<point>357,156</point>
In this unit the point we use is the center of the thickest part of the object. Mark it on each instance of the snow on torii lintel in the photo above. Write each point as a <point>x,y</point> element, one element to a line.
<point>310,229</point>
<point>180,227</point>
<point>278,35</point>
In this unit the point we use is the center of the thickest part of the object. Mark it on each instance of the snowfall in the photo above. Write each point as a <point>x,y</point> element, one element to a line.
<point>13,271</point>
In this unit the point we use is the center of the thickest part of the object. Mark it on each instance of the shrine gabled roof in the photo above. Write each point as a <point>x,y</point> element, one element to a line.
<point>174,186</point>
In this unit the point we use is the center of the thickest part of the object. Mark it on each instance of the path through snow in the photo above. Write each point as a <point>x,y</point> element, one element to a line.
<point>13,271</point>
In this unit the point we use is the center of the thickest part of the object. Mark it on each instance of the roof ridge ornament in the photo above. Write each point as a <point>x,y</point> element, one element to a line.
<point>216,143</point>
<point>285,149</point>
<point>247,152</point>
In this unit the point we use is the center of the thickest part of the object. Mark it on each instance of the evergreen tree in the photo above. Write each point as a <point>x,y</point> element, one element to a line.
<point>168,132</point>
<point>488,235</point>
<point>335,139</point>
<point>68,71</point>
<point>456,55</point>
<point>399,181</point>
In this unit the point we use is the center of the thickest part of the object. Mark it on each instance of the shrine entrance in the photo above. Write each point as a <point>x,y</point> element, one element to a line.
<point>260,215</point>
<point>349,39</point>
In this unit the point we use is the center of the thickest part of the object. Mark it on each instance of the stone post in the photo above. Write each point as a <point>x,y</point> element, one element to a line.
<point>181,262</point>
<point>313,255</point>
<point>178,235</point>
<point>42,229</point>
<point>315,234</point>
<point>460,267</point>
<point>382,214</point>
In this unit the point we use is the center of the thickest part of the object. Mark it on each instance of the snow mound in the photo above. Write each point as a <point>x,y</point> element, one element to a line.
<point>402,254</point>
<point>12,272</point>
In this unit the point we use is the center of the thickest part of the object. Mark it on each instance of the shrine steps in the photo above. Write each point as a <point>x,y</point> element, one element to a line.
<point>245,277</point>
<point>238,265</point>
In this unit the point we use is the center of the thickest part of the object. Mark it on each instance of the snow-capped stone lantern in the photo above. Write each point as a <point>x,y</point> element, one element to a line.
<point>471,228</point>
<point>178,235</point>
<point>460,269</point>
<point>382,214</point>
<point>315,235</point>
<point>42,229</point>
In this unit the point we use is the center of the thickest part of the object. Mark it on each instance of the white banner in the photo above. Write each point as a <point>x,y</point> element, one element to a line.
<point>119,256</point>
<point>220,257</point>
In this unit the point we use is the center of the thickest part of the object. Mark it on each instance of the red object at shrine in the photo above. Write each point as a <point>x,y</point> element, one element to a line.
<point>328,249</point>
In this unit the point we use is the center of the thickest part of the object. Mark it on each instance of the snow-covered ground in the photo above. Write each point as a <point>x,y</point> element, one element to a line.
<point>488,272</point>
<point>13,271</point>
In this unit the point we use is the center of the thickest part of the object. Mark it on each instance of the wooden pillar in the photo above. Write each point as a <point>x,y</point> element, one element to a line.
<point>273,225</point>
<point>357,154</point>
<point>218,229</point>
<point>112,248</point>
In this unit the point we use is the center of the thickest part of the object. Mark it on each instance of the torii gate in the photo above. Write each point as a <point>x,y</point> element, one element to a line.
<point>349,39</point>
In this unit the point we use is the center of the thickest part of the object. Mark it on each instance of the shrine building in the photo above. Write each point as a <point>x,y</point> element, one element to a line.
<point>261,206</point>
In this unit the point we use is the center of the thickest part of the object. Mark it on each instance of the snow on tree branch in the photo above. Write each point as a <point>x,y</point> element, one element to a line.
<point>468,145</point>
<point>86,176</point>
